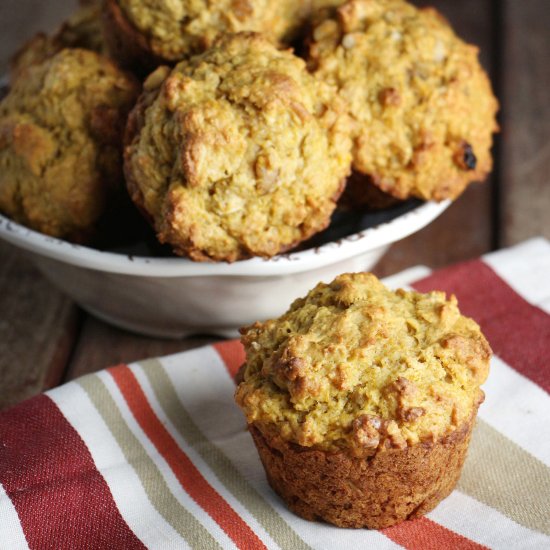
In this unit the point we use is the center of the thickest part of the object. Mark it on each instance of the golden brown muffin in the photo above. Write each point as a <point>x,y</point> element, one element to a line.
<point>171,30</point>
<point>422,105</point>
<point>236,152</point>
<point>361,400</point>
<point>81,30</point>
<point>60,143</point>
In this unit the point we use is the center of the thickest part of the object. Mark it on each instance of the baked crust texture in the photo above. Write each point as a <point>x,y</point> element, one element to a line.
<point>376,492</point>
<point>356,366</point>
<point>237,152</point>
<point>422,106</point>
<point>61,143</point>
<point>171,30</point>
<point>81,30</point>
<point>125,43</point>
<point>361,401</point>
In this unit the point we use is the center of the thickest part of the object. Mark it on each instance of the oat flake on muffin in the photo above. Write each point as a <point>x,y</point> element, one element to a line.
<point>171,30</point>
<point>352,355</point>
<point>237,152</point>
<point>60,143</point>
<point>423,107</point>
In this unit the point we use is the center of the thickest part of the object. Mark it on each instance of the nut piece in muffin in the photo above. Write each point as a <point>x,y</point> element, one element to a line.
<point>81,30</point>
<point>237,152</point>
<point>362,400</point>
<point>422,106</point>
<point>171,30</point>
<point>60,143</point>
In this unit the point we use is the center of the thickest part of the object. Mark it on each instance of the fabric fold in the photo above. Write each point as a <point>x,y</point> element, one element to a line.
<point>156,455</point>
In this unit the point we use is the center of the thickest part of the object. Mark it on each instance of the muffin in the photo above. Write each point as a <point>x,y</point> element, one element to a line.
<point>151,33</point>
<point>422,106</point>
<point>61,143</point>
<point>81,30</point>
<point>361,401</point>
<point>236,152</point>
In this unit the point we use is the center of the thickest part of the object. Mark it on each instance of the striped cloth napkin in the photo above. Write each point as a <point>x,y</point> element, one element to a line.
<point>156,455</point>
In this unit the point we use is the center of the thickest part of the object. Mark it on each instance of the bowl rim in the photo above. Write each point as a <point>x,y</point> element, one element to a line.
<point>362,242</point>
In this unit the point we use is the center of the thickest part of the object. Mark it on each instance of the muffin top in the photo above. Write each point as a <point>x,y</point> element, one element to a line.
<point>60,142</point>
<point>354,365</point>
<point>423,108</point>
<point>81,30</point>
<point>173,29</point>
<point>237,152</point>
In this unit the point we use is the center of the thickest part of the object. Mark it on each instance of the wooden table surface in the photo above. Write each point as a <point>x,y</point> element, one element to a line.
<point>45,339</point>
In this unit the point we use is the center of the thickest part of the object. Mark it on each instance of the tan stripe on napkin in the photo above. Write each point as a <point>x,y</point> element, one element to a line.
<point>156,488</point>
<point>502,475</point>
<point>271,521</point>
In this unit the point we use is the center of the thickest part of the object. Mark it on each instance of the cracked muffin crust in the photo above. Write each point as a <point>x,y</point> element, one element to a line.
<point>355,365</point>
<point>236,152</point>
<point>361,400</point>
<point>171,30</point>
<point>423,107</point>
<point>81,30</point>
<point>60,143</point>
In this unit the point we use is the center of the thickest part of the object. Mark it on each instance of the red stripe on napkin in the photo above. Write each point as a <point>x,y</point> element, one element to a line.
<point>232,354</point>
<point>185,471</point>
<point>48,473</point>
<point>425,534</point>
<point>518,332</point>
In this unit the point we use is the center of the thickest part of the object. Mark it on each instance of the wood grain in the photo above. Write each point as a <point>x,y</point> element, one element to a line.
<point>465,230</point>
<point>38,325</point>
<point>101,345</point>
<point>22,19</point>
<point>525,160</point>
<point>37,330</point>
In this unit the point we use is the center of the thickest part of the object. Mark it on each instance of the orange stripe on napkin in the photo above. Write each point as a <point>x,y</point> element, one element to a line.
<point>232,354</point>
<point>425,534</point>
<point>185,471</point>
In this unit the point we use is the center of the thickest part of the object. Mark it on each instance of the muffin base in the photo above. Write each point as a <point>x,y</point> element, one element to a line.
<point>360,193</point>
<point>374,492</point>
<point>125,43</point>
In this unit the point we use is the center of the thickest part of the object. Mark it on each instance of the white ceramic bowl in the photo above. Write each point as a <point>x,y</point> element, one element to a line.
<point>175,297</point>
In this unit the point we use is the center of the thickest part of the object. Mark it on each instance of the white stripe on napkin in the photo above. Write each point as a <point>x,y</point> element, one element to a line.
<point>484,524</point>
<point>198,393</point>
<point>526,268</point>
<point>128,493</point>
<point>11,532</point>
<point>169,477</point>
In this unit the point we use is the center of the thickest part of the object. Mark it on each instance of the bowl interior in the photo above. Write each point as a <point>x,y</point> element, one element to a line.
<point>343,225</point>
<point>350,234</point>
